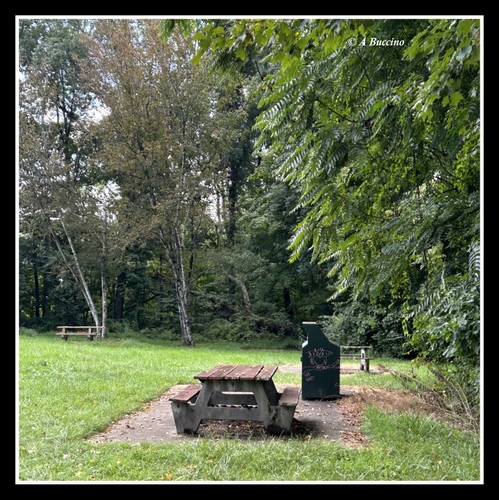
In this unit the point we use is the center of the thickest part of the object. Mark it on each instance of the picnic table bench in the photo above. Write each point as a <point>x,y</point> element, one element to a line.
<point>361,354</point>
<point>89,331</point>
<point>235,392</point>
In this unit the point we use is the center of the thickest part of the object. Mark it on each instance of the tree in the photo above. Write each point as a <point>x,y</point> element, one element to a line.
<point>56,176</point>
<point>298,289</point>
<point>377,124</point>
<point>162,140</point>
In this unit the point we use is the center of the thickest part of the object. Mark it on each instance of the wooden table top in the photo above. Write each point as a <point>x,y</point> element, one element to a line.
<point>238,372</point>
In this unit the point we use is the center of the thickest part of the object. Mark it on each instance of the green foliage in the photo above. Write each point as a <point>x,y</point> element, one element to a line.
<point>223,329</point>
<point>357,323</point>
<point>447,323</point>
<point>266,223</point>
<point>382,145</point>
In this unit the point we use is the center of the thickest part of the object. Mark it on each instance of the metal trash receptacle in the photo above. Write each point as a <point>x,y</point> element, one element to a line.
<point>320,365</point>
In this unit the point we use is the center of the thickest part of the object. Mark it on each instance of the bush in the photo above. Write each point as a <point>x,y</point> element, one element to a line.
<point>449,391</point>
<point>225,329</point>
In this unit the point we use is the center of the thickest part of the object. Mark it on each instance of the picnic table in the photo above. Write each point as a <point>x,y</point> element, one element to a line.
<point>235,392</point>
<point>361,354</point>
<point>90,331</point>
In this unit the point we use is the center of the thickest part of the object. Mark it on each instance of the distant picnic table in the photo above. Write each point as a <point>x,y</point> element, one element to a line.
<point>89,331</point>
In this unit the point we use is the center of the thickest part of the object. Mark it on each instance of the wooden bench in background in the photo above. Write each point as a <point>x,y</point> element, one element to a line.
<point>89,331</point>
<point>361,354</point>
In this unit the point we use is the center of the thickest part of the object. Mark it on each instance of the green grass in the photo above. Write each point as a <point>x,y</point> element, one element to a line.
<point>68,391</point>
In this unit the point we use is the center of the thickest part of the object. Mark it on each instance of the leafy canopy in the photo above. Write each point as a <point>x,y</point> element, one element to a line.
<point>381,139</point>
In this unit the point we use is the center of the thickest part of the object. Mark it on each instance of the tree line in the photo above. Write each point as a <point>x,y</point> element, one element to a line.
<point>136,189</point>
<point>235,177</point>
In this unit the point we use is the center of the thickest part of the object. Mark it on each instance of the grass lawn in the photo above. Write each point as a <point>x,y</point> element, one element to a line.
<point>70,390</point>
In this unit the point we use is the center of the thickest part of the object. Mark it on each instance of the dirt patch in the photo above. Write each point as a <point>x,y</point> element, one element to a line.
<point>339,419</point>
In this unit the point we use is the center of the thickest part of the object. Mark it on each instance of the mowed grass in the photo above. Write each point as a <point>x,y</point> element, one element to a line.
<point>68,391</point>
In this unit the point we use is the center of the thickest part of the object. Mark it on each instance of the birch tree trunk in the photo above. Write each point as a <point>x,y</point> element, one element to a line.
<point>103,276</point>
<point>77,272</point>
<point>176,257</point>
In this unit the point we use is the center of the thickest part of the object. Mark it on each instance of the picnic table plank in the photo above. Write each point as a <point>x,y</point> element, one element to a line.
<point>267,372</point>
<point>187,393</point>
<point>244,372</point>
<point>217,373</point>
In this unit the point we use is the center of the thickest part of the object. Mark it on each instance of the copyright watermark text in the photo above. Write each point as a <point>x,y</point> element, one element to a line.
<point>376,42</point>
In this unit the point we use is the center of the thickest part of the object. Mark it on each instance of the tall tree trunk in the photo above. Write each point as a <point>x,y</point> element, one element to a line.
<point>103,278</point>
<point>37,292</point>
<point>184,314</point>
<point>44,296</point>
<point>231,223</point>
<point>287,302</point>
<point>104,305</point>
<point>119,296</point>
<point>182,293</point>
<point>232,192</point>
<point>244,291</point>
<point>77,272</point>
<point>175,256</point>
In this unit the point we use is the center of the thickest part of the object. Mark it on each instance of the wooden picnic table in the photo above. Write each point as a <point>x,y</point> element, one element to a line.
<point>90,331</point>
<point>235,392</point>
<point>362,354</point>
